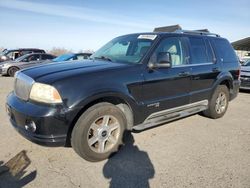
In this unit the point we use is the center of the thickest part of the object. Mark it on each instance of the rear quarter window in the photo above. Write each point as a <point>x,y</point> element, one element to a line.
<point>224,50</point>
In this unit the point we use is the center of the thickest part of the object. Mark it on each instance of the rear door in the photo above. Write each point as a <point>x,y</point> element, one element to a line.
<point>204,66</point>
<point>31,60</point>
<point>166,88</point>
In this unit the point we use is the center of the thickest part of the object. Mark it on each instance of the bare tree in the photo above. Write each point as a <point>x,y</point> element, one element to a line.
<point>59,51</point>
<point>1,49</point>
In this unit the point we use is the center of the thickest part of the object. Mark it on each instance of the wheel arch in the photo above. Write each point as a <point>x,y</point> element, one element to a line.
<point>115,99</point>
<point>10,68</point>
<point>224,79</point>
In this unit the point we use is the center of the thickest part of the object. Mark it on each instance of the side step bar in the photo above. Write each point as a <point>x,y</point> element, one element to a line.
<point>171,114</point>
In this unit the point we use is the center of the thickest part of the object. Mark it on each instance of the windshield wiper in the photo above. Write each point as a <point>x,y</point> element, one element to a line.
<point>104,58</point>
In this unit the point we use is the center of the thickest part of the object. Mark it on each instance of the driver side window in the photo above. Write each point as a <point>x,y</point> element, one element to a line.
<point>174,46</point>
<point>34,58</point>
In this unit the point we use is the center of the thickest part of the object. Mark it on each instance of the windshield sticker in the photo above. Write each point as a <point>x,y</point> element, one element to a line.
<point>150,37</point>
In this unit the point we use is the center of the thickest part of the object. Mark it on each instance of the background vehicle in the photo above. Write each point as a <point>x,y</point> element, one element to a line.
<point>13,54</point>
<point>10,67</point>
<point>134,82</point>
<point>245,75</point>
<point>70,57</point>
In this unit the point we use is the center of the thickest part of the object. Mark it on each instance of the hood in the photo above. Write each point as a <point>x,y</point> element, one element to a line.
<point>6,62</point>
<point>65,69</point>
<point>4,58</point>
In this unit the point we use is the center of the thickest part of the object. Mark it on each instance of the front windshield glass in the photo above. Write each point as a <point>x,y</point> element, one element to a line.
<point>4,52</point>
<point>19,59</point>
<point>247,63</point>
<point>64,57</point>
<point>127,49</point>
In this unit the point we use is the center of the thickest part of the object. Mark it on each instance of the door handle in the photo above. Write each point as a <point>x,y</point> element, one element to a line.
<point>183,74</point>
<point>216,69</point>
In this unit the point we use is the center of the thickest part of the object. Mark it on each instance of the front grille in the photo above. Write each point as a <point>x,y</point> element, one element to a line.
<point>22,87</point>
<point>245,83</point>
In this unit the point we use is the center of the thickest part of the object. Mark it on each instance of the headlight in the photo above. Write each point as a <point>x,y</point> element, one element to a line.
<point>4,65</point>
<point>4,58</point>
<point>45,93</point>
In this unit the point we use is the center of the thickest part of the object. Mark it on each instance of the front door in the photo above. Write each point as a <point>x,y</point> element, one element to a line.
<point>166,88</point>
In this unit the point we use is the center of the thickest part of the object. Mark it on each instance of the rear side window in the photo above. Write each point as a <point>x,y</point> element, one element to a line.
<point>200,52</point>
<point>225,51</point>
<point>45,57</point>
<point>35,57</point>
<point>38,51</point>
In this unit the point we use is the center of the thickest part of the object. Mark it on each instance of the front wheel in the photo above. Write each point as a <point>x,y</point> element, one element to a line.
<point>219,103</point>
<point>12,71</point>
<point>98,132</point>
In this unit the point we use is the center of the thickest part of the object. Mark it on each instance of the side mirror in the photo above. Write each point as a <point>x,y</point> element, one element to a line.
<point>163,61</point>
<point>164,58</point>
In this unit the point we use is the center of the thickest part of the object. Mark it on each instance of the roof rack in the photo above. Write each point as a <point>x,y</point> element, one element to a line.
<point>197,32</point>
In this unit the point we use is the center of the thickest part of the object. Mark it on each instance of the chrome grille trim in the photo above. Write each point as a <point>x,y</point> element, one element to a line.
<point>22,85</point>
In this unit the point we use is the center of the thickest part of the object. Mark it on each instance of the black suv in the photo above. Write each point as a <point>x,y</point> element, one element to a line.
<point>134,82</point>
<point>12,54</point>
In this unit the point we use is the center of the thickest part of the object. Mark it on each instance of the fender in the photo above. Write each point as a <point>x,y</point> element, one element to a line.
<point>135,107</point>
<point>223,76</point>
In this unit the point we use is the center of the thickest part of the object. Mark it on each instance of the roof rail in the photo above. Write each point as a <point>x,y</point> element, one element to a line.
<point>197,32</point>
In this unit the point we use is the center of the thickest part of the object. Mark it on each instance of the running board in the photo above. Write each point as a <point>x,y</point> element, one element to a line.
<point>171,114</point>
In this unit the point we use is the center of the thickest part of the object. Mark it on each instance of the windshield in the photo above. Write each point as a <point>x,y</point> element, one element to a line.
<point>64,57</point>
<point>4,52</point>
<point>127,49</point>
<point>247,63</point>
<point>19,59</point>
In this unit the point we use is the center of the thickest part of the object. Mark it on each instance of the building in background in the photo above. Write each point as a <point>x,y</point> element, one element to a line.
<point>242,48</point>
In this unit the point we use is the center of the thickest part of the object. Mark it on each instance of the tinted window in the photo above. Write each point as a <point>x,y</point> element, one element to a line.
<point>210,53</point>
<point>247,63</point>
<point>199,51</point>
<point>45,57</point>
<point>175,47</point>
<point>34,58</point>
<point>26,52</point>
<point>38,51</point>
<point>225,51</point>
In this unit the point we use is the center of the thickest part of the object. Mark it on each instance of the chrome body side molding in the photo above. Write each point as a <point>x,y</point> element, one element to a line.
<point>165,116</point>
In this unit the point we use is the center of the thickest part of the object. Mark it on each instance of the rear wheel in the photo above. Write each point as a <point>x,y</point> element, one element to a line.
<point>219,103</point>
<point>12,71</point>
<point>98,132</point>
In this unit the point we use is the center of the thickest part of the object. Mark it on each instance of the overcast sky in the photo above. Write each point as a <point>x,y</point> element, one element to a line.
<point>88,24</point>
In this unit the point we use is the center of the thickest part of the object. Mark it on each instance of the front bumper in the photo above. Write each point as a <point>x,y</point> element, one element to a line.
<point>3,71</point>
<point>52,123</point>
<point>245,83</point>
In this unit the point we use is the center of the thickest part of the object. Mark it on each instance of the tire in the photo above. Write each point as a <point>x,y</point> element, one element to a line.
<point>93,138</point>
<point>12,71</point>
<point>218,104</point>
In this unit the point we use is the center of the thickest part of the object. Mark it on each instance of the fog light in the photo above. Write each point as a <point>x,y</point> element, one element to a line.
<point>30,126</point>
